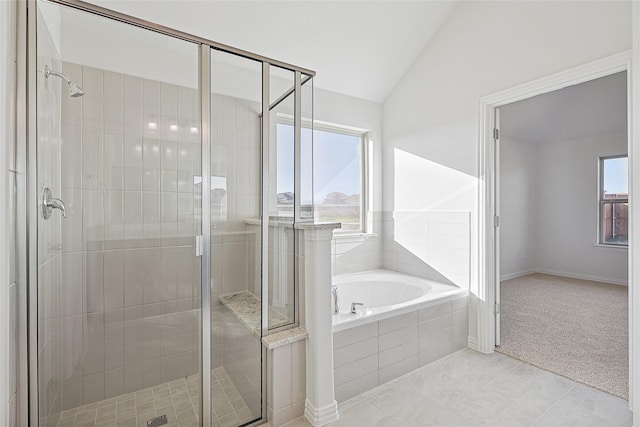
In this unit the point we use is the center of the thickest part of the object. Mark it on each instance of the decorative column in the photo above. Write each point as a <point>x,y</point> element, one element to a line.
<point>320,405</point>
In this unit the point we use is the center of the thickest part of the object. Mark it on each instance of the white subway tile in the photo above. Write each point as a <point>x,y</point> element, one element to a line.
<point>71,284</point>
<point>435,353</point>
<point>132,175</point>
<point>353,370</point>
<point>113,279</point>
<point>93,271</point>
<point>432,312</point>
<point>437,324</point>
<point>92,99</point>
<point>459,303</point>
<point>132,116</point>
<point>93,388</point>
<point>353,352</point>
<point>92,155</point>
<point>72,393</point>
<point>449,229</point>
<point>396,370</point>
<point>93,333</point>
<point>114,219</point>
<point>151,164</point>
<point>359,385</point>
<point>113,101</point>
<point>398,337</point>
<point>398,322</point>
<point>133,277</point>
<point>428,342</point>
<point>92,220</point>
<point>113,382</point>
<point>113,161</point>
<point>460,316</point>
<point>71,158</point>
<point>354,335</point>
<point>449,217</point>
<point>71,346</point>
<point>396,354</point>
<point>133,377</point>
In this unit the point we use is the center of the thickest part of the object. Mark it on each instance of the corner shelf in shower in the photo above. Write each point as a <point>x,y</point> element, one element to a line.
<point>247,308</point>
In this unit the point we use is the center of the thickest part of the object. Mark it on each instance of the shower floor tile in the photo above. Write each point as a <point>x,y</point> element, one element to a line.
<point>178,400</point>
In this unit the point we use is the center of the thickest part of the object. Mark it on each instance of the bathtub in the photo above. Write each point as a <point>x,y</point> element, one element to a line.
<point>385,294</point>
<point>405,322</point>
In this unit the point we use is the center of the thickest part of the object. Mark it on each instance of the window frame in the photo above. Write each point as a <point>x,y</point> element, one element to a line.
<point>317,125</point>
<point>602,201</point>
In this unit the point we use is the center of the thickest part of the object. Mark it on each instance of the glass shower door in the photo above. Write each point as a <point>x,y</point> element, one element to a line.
<point>236,241</point>
<point>118,184</point>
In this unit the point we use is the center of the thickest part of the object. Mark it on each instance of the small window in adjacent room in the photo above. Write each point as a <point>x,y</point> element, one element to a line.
<point>339,165</point>
<point>614,201</point>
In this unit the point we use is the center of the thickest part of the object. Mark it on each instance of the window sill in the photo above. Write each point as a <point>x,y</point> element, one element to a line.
<point>618,247</point>
<point>354,236</point>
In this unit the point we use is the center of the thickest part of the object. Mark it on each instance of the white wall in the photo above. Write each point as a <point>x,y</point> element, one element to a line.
<point>518,161</point>
<point>549,216</point>
<point>8,287</point>
<point>431,116</point>
<point>567,212</point>
<point>363,252</point>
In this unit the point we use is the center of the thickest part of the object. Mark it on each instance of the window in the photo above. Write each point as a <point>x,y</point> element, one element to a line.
<point>614,201</point>
<point>339,171</point>
<point>338,174</point>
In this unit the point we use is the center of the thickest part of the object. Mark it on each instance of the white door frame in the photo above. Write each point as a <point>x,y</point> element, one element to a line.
<point>487,259</point>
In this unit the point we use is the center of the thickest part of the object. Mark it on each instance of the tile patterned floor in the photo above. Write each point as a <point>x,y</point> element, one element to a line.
<point>178,400</point>
<point>468,388</point>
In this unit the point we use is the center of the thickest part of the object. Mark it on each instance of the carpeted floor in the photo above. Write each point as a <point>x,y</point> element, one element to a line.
<point>574,328</point>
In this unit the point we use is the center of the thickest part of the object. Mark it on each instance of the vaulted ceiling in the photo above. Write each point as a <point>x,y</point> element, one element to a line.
<point>358,48</point>
<point>594,108</point>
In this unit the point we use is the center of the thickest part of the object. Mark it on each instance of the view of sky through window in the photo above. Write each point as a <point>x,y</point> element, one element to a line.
<point>337,174</point>
<point>616,175</point>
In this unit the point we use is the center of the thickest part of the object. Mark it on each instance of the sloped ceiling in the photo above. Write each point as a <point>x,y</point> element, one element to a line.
<point>594,108</point>
<point>358,48</point>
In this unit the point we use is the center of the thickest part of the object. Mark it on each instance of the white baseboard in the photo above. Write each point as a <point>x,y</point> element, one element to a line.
<point>518,274</point>
<point>581,276</point>
<point>320,416</point>
<point>472,343</point>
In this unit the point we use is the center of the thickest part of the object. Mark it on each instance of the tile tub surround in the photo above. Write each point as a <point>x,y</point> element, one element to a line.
<point>377,352</point>
<point>435,245</point>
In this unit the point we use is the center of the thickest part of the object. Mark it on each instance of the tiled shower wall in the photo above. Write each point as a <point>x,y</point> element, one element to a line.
<point>235,241</point>
<point>129,293</point>
<point>49,237</point>
<point>130,278</point>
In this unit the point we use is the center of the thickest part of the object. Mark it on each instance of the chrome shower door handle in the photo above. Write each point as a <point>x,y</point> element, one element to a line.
<point>49,204</point>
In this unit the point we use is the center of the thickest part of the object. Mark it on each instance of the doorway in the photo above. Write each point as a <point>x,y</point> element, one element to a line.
<point>488,220</point>
<point>562,199</point>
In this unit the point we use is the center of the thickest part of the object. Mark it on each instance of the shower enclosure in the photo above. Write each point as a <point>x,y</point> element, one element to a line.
<point>166,175</point>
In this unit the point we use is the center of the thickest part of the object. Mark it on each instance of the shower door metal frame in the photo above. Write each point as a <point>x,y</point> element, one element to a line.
<point>27,99</point>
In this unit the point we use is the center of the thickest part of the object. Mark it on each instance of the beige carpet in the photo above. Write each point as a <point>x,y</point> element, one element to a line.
<point>574,328</point>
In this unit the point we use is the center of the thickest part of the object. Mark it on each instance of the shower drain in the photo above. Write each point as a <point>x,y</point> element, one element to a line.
<point>157,421</point>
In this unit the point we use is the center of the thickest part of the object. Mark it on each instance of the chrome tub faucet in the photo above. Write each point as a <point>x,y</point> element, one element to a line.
<point>334,295</point>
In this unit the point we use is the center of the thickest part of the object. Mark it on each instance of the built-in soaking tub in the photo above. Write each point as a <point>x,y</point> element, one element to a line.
<point>405,322</point>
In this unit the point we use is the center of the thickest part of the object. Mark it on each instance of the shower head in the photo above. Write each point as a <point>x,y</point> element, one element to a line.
<point>74,90</point>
